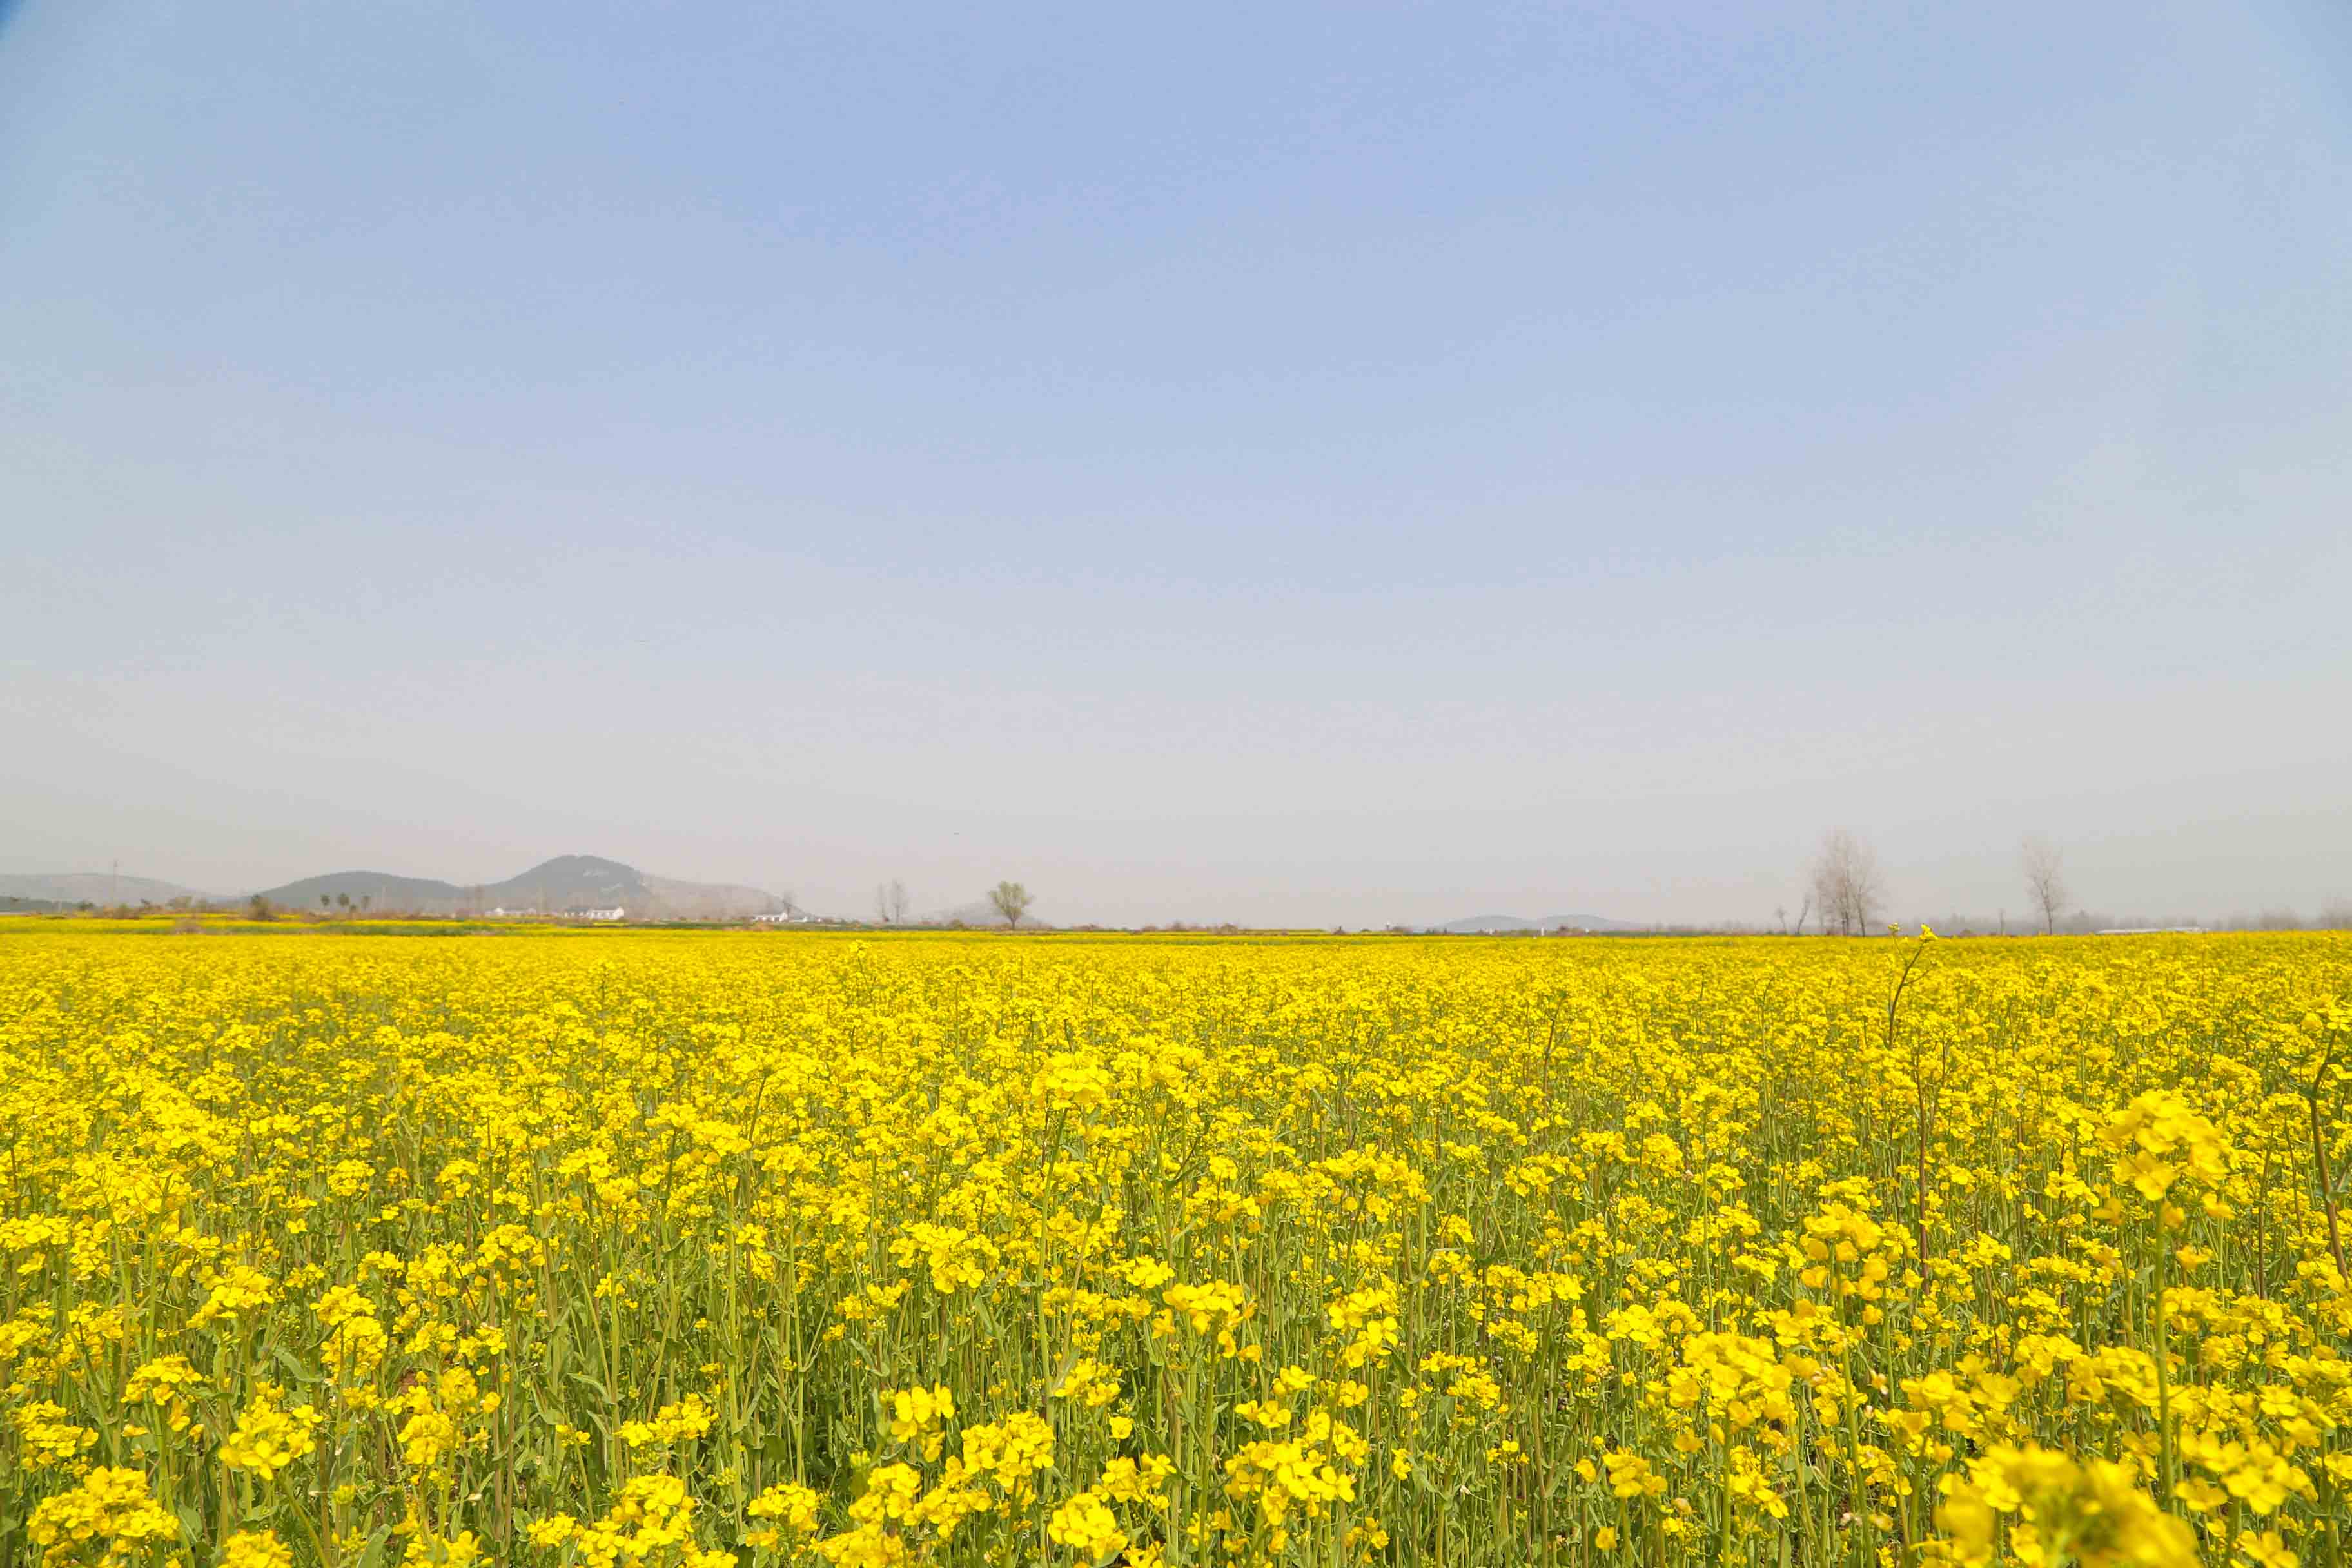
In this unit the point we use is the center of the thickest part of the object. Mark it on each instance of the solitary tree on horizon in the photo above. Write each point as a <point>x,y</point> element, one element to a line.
<point>1846,884</point>
<point>1010,900</point>
<point>2045,878</point>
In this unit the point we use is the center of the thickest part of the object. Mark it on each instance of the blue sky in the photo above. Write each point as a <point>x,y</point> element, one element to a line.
<point>1331,464</point>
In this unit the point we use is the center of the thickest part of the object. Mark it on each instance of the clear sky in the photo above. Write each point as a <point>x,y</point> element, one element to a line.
<point>1276,463</point>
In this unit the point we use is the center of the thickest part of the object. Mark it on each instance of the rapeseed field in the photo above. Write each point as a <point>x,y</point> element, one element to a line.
<point>652,1250</point>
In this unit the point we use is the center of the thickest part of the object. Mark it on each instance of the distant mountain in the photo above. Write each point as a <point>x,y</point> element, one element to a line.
<point>101,887</point>
<point>561,885</point>
<point>1490,924</point>
<point>372,891</point>
<point>574,882</point>
<point>588,882</point>
<point>709,901</point>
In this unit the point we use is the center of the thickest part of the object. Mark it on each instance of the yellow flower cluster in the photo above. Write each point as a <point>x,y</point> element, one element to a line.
<point>674,1422</point>
<point>631,1249</point>
<point>109,1517</point>
<point>268,1439</point>
<point>2095,1513</point>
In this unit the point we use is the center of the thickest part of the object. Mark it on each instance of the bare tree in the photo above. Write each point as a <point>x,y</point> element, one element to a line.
<point>2045,878</point>
<point>1846,884</point>
<point>894,898</point>
<point>1010,900</point>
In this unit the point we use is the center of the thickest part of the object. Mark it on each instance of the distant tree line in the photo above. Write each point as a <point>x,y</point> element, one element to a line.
<point>1845,895</point>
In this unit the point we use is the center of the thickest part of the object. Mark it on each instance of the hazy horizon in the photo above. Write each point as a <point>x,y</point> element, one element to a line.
<point>1339,466</point>
<point>2011,911</point>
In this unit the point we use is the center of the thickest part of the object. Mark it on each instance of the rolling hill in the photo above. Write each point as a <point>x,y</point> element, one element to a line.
<point>103,888</point>
<point>565,884</point>
<point>374,891</point>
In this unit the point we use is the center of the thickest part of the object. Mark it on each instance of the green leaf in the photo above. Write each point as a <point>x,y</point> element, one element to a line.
<point>372,1552</point>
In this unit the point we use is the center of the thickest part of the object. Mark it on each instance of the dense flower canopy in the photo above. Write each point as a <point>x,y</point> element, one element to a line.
<point>669,1250</point>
